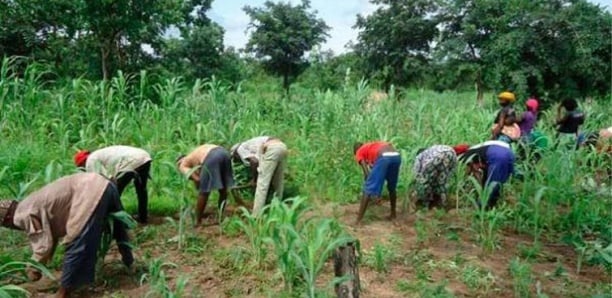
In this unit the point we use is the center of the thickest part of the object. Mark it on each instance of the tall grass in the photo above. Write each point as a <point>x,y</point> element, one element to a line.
<point>42,124</point>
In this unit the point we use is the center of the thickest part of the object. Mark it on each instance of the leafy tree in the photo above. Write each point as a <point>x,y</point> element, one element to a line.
<point>199,51</point>
<point>282,34</point>
<point>541,47</point>
<point>119,28</point>
<point>330,71</point>
<point>394,42</point>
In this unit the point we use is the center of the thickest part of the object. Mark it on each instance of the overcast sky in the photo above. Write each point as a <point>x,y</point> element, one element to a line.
<point>340,15</point>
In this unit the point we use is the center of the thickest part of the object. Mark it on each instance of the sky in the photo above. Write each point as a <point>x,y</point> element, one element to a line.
<point>340,15</point>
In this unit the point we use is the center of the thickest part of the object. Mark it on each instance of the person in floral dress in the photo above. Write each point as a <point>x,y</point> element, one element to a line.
<point>432,170</point>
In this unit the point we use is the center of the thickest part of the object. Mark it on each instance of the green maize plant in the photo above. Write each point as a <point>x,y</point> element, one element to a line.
<point>316,242</point>
<point>487,222</point>
<point>107,234</point>
<point>11,270</point>
<point>562,200</point>
<point>379,258</point>
<point>522,278</point>
<point>158,281</point>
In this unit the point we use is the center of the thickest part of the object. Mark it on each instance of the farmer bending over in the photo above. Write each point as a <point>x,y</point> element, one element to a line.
<point>124,164</point>
<point>432,169</point>
<point>266,157</point>
<point>209,167</point>
<point>492,162</point>
<point>76,208</point>
<point>379,162</point>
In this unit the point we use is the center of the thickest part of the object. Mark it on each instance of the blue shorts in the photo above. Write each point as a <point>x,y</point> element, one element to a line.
<point>385,168</point>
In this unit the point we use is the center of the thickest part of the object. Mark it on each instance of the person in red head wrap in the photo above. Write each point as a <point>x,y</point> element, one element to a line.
<point>80,158</point>
<point>123,165</point>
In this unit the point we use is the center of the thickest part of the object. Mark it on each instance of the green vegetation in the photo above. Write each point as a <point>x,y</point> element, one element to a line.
<point>549,48</point>
<point>562,204</point>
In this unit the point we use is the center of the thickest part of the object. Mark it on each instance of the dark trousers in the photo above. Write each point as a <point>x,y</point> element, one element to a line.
<point>81,254</point>
<point>140,176</point>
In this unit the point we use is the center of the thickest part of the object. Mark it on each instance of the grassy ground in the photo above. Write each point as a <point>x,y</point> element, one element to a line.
<point>548,238</point>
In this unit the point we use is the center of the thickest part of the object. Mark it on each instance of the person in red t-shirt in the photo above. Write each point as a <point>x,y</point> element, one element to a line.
<point>379,162</point>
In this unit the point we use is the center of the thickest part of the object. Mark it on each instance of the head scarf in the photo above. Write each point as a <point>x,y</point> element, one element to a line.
<point>507,96</point>
<point>461,148</point>
<point>80,158</point>
<point>7,210</point>
<point>532,104</point>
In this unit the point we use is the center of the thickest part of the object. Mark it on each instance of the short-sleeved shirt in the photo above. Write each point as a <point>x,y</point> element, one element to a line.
<point>369,152</point>
<point>62,209</point>
<point>250,148</point>
<point>195,158</point>
<point>527,122</point>
<point>112,160</point>
<point>571,122</point>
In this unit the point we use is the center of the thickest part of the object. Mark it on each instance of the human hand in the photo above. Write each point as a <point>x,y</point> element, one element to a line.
<point>33,274</point>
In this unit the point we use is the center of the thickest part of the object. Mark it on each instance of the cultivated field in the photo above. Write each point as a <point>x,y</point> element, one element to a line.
<point>550,238</point>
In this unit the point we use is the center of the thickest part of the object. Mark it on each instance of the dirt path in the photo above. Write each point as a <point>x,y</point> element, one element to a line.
<point>421,254</point>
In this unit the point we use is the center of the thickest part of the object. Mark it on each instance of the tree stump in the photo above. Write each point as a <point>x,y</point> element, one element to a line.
<point>345,265</point>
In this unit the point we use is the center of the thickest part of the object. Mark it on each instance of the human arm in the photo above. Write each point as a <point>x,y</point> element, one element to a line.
<point>561,118</point>
<point>42,243</point>
<point>238,197</point>
<point>253,165</point>
<point>187,168</point>
<point>121,237</point>
<point>119,231</point>
<point>497,128</point>
<point>365,168</point>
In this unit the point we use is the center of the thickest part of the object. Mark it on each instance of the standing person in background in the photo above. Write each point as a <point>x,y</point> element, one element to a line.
<point>432,169</point>
<point>528,119</point>
<point>493,163</point>
<point>209,167</point>
<point>266,157</point>
<point>123,164</point>
<point>77,208</point>
<point>568,123</point>
<point>504,126</point>
<point>379,162</point>
<point>527,123</point>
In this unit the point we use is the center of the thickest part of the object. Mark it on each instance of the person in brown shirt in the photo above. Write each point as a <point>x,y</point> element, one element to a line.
<point>209,167</point>
<point>75,208</point>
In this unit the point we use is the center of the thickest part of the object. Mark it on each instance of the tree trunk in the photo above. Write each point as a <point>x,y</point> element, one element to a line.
<point>286,84</point>
<point>104,57</point>
<point>345,264</point>
<point>479,89</point>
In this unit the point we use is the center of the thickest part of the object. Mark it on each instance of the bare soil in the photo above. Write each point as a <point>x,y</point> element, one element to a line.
<point>434,259</point>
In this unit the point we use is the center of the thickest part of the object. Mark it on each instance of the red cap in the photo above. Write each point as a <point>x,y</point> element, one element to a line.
<point>461,148</point>
<point>533,104</point>
<point>80,158</point>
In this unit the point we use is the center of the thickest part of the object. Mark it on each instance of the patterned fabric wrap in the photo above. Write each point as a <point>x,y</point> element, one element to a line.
<point>432,170</point>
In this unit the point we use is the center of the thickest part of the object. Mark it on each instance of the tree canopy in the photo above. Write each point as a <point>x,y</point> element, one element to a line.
<point>281,34</point>
<point>552,49</point>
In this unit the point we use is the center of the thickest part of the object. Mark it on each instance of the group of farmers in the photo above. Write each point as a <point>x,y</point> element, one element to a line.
<point>491,162</point>
<point>76,207</point>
